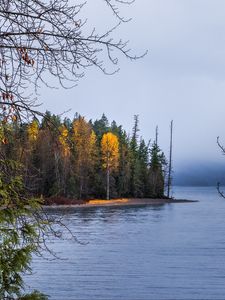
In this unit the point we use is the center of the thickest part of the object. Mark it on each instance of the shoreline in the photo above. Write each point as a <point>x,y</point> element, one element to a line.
<point>120,202</point>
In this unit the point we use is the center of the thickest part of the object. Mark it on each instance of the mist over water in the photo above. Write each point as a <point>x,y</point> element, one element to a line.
<point>199,174</point>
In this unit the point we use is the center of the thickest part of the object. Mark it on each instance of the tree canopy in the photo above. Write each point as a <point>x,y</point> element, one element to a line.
<point>71,158</point>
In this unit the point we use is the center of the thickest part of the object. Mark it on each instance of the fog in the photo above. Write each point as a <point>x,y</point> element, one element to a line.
<point>181,78</point>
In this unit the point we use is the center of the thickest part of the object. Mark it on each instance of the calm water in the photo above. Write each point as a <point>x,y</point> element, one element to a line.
<point>173,251</point>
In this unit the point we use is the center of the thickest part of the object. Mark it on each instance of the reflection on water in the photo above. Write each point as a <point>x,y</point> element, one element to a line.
<point>172,251</point>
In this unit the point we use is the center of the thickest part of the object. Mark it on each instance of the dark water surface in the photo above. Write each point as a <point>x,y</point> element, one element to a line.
<point>172,251</point>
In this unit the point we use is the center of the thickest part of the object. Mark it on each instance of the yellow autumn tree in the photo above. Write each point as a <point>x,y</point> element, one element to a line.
<point>32,131</point>
<point>110,155</point>
<point>3,139</point>
<point>32,136</point>
<point>84,140</point>
<point>63,140</point>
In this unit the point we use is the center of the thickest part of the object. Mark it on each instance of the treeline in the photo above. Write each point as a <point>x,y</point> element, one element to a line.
<point>83,159</point>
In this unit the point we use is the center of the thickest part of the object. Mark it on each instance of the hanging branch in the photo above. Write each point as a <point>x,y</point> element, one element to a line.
<point>43,40</point>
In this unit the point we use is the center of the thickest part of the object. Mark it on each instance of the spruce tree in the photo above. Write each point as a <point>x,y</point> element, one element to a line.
<point>156,174</point>
<point>135,179</point>
<point>100,127</point>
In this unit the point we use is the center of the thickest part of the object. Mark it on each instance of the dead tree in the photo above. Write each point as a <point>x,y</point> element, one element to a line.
<point>170,161</point>
<point>156,134</point>
<point>221,193</point>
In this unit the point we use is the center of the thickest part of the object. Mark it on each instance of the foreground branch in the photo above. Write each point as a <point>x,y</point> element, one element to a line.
<point>39,39</point>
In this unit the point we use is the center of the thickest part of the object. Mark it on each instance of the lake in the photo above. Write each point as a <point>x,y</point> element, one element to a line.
<point>166,252</point>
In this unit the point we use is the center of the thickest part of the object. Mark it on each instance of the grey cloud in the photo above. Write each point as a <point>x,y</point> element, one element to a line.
<point>182,77</point>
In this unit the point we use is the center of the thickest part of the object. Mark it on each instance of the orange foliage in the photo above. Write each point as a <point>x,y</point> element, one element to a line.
<point>25,57</point>
<point>63,140</point>
<point>2,136</point>
<point>84,137</point>
<point>110,151</point>
<point>33,130</point>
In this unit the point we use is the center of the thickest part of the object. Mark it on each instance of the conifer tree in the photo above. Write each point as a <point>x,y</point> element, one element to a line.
<point>124,170</point>
<point>101,126</point>
<point>156,174</point>
<point>20,231</point>
<point>135,184</point>
<point>143,163</point>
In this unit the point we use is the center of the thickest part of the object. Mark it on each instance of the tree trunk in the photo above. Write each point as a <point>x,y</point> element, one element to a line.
<point>170,160</point>
<point>108,184</point>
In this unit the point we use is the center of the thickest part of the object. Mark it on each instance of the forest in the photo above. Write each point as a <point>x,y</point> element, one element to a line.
<point>80,159</point>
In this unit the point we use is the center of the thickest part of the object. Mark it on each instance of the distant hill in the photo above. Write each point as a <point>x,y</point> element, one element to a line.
<point>203,174</point>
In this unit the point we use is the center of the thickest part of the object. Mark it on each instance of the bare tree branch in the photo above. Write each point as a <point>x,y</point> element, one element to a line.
<point>41,37</point>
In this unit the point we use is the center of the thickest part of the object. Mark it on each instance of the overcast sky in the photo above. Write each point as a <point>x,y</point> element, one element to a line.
<point>182,77</point>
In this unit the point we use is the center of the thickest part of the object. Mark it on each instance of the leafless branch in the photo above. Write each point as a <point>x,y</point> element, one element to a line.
<point>40,38</point>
